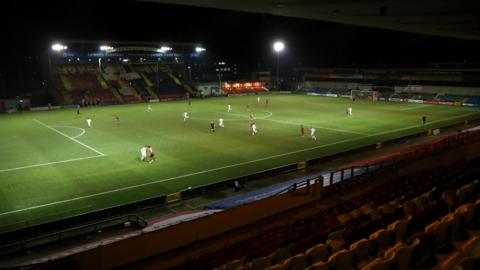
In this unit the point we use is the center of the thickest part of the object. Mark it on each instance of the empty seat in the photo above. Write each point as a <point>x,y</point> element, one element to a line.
<point>381,239</point>
<point>471,246</point>
<point>336,240</point>
<point>318,252</point>
<point>402,257</point>
<point>282,254</point>
<point>379,264</point>
<point>470,263</point>
<point>399,229</point>
<point>319,266</point>
<point>260,263</point>
<point>233,265</point>
<point>439,229</point>
<point>451,261</point>
<point>297,262</point>
<point>361,251</point>
<point>276,267</point>
<point>342,260</point>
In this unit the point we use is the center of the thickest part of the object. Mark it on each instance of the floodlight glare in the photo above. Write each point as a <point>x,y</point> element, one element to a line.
<point>58,47</point>
<point>164,49</point>
<point>200,49</point>
<point>278,46</point>
<point>106,48</point>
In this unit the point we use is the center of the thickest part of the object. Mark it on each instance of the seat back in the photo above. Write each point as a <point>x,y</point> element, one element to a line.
<point>283,253</point>
<point>319,252</point>
<point>233,265</point>
<point>319,266</point>
<point>342,260</point>
<point>260,263</point>
<point>380,264</point>
<point>297,262</point>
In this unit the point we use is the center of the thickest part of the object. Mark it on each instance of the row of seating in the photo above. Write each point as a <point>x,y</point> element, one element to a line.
<point>355,226</point>
<point>399,246</point>
<point>78,82</point>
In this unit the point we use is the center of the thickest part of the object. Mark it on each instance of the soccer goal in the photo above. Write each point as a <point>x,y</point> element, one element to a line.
<point>364,94</point>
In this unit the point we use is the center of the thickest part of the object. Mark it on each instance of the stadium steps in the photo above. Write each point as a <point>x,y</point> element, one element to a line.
<point>102,82</point>
<point>117,94</point>
<point>151,92</point>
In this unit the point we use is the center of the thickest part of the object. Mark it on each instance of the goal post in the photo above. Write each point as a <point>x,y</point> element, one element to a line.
<point>364,94</point>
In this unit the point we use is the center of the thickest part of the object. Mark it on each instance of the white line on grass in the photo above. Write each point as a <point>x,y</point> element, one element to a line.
<point>48,163</point>
<point>225,167</point>
<point>416,107</point>
<point>73,139</point>
<point>320,127</point>
<point>82,131</point>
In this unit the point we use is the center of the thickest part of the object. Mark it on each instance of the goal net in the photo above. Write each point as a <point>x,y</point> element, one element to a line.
<point>364,94</point>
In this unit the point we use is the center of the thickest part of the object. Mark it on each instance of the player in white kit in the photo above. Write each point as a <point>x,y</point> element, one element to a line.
<point>349,111</point>
<point>220,122</point>
<point>229,108</point>
<point>313,133</point>
<point>143,153</point>
<point>185,116</point>
<point>254,129</point>
<point>89,122</point>
<point>149,108</point>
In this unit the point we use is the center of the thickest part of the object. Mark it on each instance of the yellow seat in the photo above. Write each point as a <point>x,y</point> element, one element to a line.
<point>342,260</point>
<point>318,252</point>
<point>297,262</point>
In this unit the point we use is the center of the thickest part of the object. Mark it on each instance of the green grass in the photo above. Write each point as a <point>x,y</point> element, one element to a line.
<point>46,175</point>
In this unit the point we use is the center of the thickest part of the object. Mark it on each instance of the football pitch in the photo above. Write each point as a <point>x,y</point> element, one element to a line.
<point>53,166</point>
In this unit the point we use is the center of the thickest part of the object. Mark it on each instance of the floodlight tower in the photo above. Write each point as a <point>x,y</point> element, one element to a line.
<point>278,46</point>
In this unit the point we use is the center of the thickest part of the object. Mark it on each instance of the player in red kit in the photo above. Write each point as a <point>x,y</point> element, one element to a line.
<point>302,130</point>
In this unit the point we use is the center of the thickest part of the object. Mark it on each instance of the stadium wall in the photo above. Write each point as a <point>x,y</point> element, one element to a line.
<point>433,89</point>
<point>168,239</point>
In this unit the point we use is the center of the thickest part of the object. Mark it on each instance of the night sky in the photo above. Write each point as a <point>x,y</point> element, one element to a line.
<point>243,38</point>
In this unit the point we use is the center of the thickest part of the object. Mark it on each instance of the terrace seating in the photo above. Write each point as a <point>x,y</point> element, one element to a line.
<point>405,242</point>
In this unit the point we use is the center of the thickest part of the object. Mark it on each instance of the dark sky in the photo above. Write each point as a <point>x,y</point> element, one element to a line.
<point>244,38</point>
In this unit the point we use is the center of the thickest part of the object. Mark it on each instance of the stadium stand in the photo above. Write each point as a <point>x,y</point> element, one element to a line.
<point>82,84</point>
<point>118,83</point>
<point>403,224</point>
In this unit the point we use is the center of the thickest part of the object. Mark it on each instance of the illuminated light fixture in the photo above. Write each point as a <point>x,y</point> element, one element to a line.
<point>58,47</point>
<point>106,48</point>
<point>278,46</point>
<point>164,49</point>
<point>200,49</point>
<point>125,60</point>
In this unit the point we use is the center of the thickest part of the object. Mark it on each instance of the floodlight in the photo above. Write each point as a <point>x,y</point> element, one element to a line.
<point>200,49</point>
<point>58,47</point>
<point>164,49</point>
<point>278,46</point>
<point>106,48</point>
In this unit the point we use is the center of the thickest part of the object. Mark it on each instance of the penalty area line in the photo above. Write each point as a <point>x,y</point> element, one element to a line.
<point>48,163</point>
<point>68,137</point>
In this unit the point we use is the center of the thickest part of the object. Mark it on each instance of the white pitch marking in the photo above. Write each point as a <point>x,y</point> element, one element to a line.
<point>320,127</point>
<point>73,139</point>
<point>224,167</point>
<point>47,163</point>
